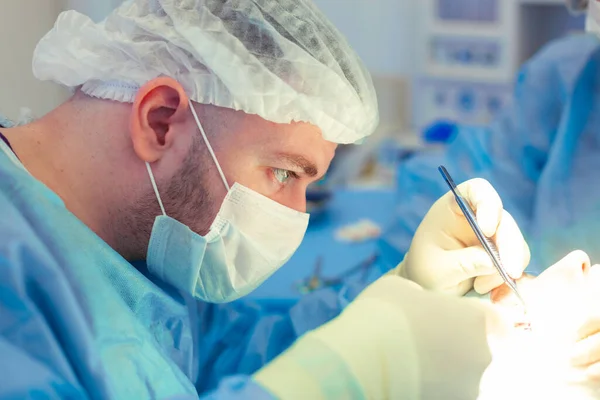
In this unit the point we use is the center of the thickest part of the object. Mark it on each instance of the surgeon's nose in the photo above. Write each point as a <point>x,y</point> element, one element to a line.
<point>297,199</point>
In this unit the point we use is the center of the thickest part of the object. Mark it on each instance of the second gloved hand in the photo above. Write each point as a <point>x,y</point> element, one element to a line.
<point>395,341</point>
<point>445,254</point>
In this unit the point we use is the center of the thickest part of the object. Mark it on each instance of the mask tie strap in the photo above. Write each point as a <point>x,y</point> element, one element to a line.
<point>210,149</point>
<point>160,203</point>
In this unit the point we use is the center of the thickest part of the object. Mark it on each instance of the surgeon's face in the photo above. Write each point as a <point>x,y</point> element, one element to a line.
<point>278,161</point>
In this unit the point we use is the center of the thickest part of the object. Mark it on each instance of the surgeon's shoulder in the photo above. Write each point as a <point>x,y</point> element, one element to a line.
<point>557,67</point>
<point>570,49</point>
<point>18,237</point>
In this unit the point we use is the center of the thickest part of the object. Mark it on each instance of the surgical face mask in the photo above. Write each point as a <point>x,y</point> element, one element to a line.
<point>250,238</point>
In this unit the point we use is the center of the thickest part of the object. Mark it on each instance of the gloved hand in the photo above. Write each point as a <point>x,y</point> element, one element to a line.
<point>395,341</point>
<point>445,254</point>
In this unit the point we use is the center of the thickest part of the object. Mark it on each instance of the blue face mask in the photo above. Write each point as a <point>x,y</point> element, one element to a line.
<point>251,237</point>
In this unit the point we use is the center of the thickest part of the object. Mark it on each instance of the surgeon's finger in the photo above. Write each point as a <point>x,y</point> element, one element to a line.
<point>514,251</point>
<point>485,202</point>
<point>486,283</point>
<point>586,351</point>
<point>468,262</point>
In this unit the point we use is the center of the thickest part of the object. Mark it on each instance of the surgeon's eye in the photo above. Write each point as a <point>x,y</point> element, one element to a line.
<point>282,176</point>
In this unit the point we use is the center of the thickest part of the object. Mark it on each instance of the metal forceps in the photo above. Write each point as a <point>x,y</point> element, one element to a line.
<point>487,244</point>
<point>317,281</point>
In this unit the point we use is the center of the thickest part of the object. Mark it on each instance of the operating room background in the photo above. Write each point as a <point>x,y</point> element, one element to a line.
<point>391,37</point>
<point>389,26</point>
<point>385,33</point>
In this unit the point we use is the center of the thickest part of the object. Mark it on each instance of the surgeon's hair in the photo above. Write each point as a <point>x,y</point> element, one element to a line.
<point>187,195</point>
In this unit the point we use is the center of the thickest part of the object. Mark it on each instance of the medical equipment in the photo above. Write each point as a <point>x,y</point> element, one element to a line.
<point>359,231</point>
<point>470,51</point>
<point>487,244</point>
<point>317,281</point>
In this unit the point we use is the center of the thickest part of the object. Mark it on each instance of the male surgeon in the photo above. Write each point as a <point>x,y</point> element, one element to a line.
<point>194,128</point>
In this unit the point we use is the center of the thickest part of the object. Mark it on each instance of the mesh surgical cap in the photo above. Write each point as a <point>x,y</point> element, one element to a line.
<point>279,59</point>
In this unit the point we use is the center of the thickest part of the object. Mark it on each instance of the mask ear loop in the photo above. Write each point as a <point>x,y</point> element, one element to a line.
<point>210,149</point>
<point>160,203</point>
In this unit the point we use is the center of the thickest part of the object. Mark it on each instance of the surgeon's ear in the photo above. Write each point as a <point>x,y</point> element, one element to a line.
<point>160,106</point>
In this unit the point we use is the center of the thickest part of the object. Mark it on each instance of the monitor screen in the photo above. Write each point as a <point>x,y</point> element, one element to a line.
<point>468,10</point>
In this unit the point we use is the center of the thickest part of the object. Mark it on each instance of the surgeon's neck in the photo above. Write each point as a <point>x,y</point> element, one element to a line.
<point>65,150</point>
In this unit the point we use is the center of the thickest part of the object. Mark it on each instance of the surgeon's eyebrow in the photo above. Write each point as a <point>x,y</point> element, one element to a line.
<point>296,161</point>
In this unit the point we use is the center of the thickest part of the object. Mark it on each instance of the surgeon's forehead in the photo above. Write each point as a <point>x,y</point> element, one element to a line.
<point>296,138</point>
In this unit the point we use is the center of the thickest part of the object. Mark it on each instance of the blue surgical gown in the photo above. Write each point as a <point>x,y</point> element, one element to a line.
<point>542,155</point>
<point>78,321</point>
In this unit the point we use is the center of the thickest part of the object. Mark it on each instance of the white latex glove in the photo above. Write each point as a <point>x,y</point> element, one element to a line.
<point>395,341</point>
<point>445,254</point>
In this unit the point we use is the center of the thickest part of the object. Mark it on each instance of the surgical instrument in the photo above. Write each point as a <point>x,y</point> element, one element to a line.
<point>318,281</point>
<point>487,244</point>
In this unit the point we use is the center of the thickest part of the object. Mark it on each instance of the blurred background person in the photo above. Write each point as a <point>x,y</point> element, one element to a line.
<point>540,152</point>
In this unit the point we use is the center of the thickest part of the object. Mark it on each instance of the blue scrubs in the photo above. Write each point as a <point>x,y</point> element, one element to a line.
<point>79,321</point>
<point>542,155</point>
